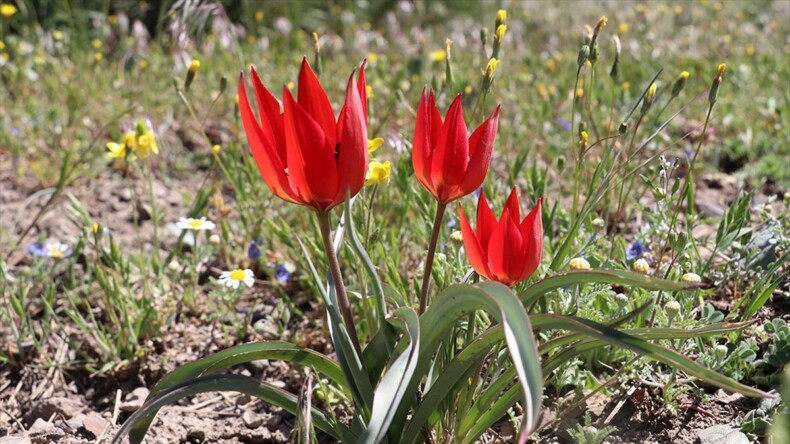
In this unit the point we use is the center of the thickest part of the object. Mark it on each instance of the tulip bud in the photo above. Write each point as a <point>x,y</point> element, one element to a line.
<point>191,73</point>
<point>680,83</point>
<point>714,89</point>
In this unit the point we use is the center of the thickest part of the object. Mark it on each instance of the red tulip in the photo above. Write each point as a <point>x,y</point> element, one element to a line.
<point>304,155</point>
<point>446,162</point>
<point>508,250</point>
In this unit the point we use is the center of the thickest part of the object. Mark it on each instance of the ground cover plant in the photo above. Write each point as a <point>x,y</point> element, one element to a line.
<point>394,222</point>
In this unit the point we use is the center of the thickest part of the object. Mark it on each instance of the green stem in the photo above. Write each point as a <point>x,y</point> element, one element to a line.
<point>426,278</point>
<point>577,159</point>
<point>337,278</point>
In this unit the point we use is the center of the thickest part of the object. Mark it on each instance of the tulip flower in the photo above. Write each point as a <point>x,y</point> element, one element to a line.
<point>308,157</point>
<point>303,153</point>
<point>507,250</point>
<point>449,163</point>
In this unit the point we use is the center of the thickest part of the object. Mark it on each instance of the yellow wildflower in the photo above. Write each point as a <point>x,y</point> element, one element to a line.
<point>501,17</point>
<point>215,149</point>
<point>369,90</point>
<point>7,10</point>
<point>439,55</point>
<point>116,150</point>
<point>146,144</point>
<point>259,16</point>
<point>378,173</point>
<point>96,43</point>
<point>491,67</point>
<point>98,57</point>
<point>641,266</point>
<point>500,32</point>
<point>373,57</point>
<point>374,144</point>
<point>691,278</point>
<point>622,28</point>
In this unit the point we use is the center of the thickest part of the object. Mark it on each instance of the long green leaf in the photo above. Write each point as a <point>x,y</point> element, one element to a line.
<point>225,383</point>
<point>458,301</point>
<point>254,351</point>
<point>604,276</point>
<point>652,351</point>
<point>394,384</point>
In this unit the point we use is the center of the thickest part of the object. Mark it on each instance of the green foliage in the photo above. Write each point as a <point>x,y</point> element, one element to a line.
<point>588,434</point>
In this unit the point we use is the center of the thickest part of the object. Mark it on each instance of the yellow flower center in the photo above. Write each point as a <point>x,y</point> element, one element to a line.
<point>237,275</point>
<point>56,253</point>
<point>195,223</point>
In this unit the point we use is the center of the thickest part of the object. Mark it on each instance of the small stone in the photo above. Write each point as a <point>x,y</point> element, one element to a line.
<point>251,421</point>
<point>95,425</point>
<point>15,439</point>
<point>134,400</point>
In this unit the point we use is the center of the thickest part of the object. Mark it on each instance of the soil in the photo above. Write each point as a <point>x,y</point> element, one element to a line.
<point>48,396</point>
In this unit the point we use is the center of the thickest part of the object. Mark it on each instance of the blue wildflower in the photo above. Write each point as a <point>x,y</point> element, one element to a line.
<point>38,249</point>
<point>564,124</point>
<point>451,223</point>
<point>636,250</point>
<point>254,252</point>
<point>282,273</point>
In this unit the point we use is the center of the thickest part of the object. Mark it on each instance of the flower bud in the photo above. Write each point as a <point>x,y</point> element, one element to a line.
<point>691,278</point>
<point>579,263</point>
<point>584,54</point>
<point>174,265</point>
<point>720,352</point>
<point>647,101</point>
<point>500,32</point>
<point>680,83</point>
<point>671,308</point>
<point>621,300</point>
<point>615,71</point>
<point>641,266</point>
<point>457,236</point>
<point>191,73</point>
<point>215,149</point>
<point>598,223</point>
<point>214,239</point>
<point>714,88</point>
<point>501,17</point>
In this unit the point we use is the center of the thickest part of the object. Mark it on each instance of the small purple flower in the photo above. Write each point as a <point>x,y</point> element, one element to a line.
<point>451,222</point>
<point>38,249</point>
<point>564,124</point>
<point>254,252</point>
<point>636,250</point>
<point>282,274</point>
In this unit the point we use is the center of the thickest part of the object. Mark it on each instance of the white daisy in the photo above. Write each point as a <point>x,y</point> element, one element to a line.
<point>57,250</point>
<point>233,279</point>
<point>188,223</point>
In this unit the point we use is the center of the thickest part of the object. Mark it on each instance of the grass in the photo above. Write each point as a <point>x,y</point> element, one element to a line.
<point>68,89</point>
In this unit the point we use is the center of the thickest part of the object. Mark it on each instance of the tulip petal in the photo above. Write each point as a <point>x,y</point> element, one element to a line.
<point>312,165</point>
<point>312,98</point>
<point>422,148</point>
<point>269,112</point>
<point>504,251</point>
<point>532,233</point>
<point>352,163</point>
<point>474,251</point>
<point>269,163</point>
<point>481,146</point>
<point>512,206</point>
<point>451,153</point>
<point>486,221</point>
<point>362,89</point>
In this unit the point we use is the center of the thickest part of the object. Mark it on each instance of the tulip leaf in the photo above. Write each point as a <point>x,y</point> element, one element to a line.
<point>350,362</point>
<point>274,350</point>
<point>457,301</point>
<point>224,383</point>
<point>651,351</point>
<point>394,383</point>
<point>603,276</point>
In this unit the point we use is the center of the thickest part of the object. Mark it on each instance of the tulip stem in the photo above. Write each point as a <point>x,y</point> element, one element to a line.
<point>426,278</point>
<point>337,278</point>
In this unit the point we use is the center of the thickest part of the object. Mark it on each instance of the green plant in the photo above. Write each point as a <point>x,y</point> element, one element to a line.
<point>588,434</point>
